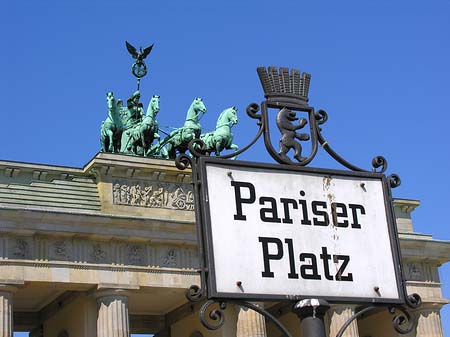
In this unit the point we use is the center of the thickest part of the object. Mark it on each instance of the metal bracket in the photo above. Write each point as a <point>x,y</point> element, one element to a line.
<point>212,315</point>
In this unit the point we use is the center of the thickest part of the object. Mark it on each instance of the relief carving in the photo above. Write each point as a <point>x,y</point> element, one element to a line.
<point>135,254</point>
<point>98,253</point>
<point>154,195</point>
<point>415,272</point>
<point>170,259</point>
<point>21,249</point>
<point>60,249</point>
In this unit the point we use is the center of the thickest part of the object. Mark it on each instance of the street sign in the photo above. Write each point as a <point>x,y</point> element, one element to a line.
<point>288,233</point>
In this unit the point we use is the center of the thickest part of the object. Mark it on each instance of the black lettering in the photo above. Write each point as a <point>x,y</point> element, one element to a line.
<point>305,220</point>
<point>342,214</point>
<point>269,214</point>
<point>355,208</point>
<point>340,273</point>
<point>325,258</point>
<point>267,257</point>
<point>287,214</point>
<point>238,197</point>
<point>322,213</point>
<point>292,273</point>
<point>309,271</point>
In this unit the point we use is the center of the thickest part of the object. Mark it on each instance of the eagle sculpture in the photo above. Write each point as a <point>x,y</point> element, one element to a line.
<point>141,55</point>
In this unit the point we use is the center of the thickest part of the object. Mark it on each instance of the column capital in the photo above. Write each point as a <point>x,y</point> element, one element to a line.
<point>113,293</point>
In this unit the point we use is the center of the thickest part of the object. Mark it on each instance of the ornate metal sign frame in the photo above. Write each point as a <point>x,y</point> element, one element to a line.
<point>288,91</point>
<point>205,222</point>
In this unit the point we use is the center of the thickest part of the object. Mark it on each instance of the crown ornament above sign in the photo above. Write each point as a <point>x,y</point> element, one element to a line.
<point>284,85</point>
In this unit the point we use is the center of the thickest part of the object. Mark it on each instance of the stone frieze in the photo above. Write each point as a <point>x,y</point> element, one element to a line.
<point>76,251</point>
<point>154,195</point>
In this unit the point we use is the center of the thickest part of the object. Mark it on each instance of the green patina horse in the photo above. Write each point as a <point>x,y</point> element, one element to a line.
<point>178,140</point>
<point>222,138</point>
<point>145,132</point>
<point>111,128</point>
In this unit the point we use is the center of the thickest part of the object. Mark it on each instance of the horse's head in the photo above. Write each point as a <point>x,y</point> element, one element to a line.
<point>110,100</point>
<point>228,117</point>
<point>153,106</point>
<point>232,115</point>
<point>198,105</point>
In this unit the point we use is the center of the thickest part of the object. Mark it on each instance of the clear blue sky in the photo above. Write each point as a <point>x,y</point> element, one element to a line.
<point>380,69</point>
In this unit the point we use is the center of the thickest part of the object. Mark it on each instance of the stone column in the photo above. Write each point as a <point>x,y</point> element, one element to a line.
<point>113,319</point>
<point>429,324</point>
<point>339,314</point>
<point>6,310</point>
<point>250,324</point>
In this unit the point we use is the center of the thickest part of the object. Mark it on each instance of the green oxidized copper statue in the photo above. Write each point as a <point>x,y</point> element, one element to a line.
<point>178,140</point>
<point>111,128</point>
<point>127,130</point>
<point>131,117</point>
<point>222,138</point>
<point>140,131</point>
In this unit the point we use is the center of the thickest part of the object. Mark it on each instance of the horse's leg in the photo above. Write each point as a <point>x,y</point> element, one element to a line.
<point>164,153</point>
<point>144,145</point>
<point>117,137</point>
<point>110,138</point>
<point>102,141</point>
<point>233,147</point>
<point>171,151</point>
<point>219,146</point>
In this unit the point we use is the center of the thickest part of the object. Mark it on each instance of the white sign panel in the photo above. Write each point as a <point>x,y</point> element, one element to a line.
<point>277,234</point>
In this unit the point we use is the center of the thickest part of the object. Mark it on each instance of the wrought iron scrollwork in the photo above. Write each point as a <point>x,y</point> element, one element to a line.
<point>212,314</point>
<point>321,116</point>
<point>194,293</point>
<point>394,180</point>
<point>213,318</point>
<point>183,161</point>
<point>414,301</point>
<point>403,321</point>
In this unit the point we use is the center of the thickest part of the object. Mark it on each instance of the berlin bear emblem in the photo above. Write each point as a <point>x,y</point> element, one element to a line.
<point>285,119</point>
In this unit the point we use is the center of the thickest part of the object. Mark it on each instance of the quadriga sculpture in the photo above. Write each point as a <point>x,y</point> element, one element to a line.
<point>178,140</point>
<point>222,138</point>
<point>111,128</point>
<point>145,132</point>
